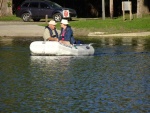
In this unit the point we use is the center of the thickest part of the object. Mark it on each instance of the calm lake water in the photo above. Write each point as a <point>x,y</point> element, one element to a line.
<point>115,80</point>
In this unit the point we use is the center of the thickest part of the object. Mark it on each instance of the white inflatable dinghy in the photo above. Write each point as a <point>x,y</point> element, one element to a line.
<point>55,48</point>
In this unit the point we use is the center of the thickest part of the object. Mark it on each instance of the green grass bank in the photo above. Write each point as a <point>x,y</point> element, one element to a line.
<point>83,26</point>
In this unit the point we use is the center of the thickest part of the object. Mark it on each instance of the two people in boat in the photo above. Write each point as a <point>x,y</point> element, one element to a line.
<point>65,36</point>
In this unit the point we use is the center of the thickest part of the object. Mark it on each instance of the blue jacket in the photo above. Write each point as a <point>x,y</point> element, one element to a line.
<point>68,35</point>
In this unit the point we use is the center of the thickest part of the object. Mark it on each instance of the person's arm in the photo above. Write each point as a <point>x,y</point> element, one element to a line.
<point>47,36</point>
<point>64,42</point>
<point>52,39</point>
<point>68,34</point>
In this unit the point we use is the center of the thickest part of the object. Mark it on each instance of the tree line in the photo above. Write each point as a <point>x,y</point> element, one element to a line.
<point>86,8</point>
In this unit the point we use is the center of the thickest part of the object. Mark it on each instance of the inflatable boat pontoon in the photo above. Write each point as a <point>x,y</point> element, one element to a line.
<point>56,48</point>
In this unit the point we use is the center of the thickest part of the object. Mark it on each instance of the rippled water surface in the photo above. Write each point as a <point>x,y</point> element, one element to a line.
<point>116,79</point>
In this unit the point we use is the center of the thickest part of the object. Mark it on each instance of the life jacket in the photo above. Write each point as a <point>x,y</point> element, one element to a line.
<point>51,33</point>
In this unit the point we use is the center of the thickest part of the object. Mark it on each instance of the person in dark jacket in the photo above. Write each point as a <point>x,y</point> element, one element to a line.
<point>50,32</point>
<point>66,34</point>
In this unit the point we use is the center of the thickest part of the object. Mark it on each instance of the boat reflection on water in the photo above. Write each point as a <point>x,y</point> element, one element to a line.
<point>50,60</point>
<point>53,64</point>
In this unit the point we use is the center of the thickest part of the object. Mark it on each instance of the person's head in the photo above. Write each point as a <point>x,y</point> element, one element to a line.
<point>52,24</point>
<point>64,23</point>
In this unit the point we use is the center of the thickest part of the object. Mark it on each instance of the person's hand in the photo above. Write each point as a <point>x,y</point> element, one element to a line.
<point>60,41</point>
<point>57,39</point>
<point>65,42</point>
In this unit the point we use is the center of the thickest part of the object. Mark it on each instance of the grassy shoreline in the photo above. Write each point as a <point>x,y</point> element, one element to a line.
<point>82,26</point>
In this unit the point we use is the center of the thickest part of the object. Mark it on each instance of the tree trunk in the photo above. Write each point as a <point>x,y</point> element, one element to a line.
<point>146,7</point>
<point>111,7</point>
<point>139,8</point>
<point>103,9</point>
<point>5,7</point>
